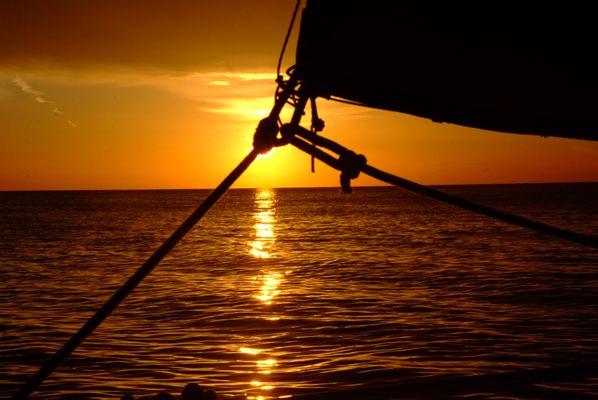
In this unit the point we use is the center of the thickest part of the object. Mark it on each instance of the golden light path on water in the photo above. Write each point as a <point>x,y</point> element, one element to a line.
<point>267,285</point>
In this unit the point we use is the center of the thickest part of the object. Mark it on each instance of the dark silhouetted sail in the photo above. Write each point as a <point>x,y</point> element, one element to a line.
<point>493,65</point>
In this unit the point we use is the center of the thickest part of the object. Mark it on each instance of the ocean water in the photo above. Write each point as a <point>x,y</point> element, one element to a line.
<point>304,292</point>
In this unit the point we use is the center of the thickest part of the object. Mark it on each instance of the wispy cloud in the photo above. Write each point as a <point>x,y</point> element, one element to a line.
<point>239,76</point>
<point>40,97</point>
<point>244,95</point>
<point>26,87</point>
<point>242,108</point>
<point>239,95</point>
<point>219,83</point>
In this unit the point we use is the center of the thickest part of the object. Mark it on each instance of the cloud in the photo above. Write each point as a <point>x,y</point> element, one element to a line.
<point>220,83</point>
<point>246,95</point>
<point>26,87</point>
<point>40,97</point>
<point>249,109</point>
<point>240,95</point>
<point>242,76</point>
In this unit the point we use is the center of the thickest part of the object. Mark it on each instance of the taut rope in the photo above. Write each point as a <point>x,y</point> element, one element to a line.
<point>350,164</point>
<point>50,365</point>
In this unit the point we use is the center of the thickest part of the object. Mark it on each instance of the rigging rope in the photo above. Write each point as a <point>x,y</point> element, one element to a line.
<point>51,364</point>
<point>286,40</point>
<point>351,163</point>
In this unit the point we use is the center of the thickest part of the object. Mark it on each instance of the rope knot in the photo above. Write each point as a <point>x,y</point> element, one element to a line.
<point>265,135</point>
<point>351,164</point>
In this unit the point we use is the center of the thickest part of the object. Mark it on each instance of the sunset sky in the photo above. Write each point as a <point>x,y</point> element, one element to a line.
<point>167,94</point>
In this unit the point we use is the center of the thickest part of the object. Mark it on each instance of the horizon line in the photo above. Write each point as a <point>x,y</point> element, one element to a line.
<point>296,187</point>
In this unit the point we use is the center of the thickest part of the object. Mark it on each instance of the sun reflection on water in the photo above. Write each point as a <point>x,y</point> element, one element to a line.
<point>261,246</point>
<point>249,350</point>
<point>269,287</point>
<point>268,282</point>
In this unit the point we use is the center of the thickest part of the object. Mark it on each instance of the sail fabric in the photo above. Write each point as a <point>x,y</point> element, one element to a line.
<point>493,65</point>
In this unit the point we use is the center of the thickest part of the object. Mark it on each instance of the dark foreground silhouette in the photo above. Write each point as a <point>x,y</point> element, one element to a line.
<point>506,67</point>
<point>192,391</point>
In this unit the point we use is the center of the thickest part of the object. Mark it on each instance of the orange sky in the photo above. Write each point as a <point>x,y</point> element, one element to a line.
<point>154,94</point>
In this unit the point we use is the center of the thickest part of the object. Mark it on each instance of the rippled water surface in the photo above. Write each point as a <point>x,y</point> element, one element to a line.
<point>380,294</point>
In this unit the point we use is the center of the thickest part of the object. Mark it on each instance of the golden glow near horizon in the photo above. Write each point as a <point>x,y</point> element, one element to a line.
<point>174,103</point>
<point>164,132</point>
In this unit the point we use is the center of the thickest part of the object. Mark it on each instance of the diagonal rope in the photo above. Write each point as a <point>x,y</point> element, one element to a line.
<point>427,191</point>
<point>286,39</point>
<point>51,364</point>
